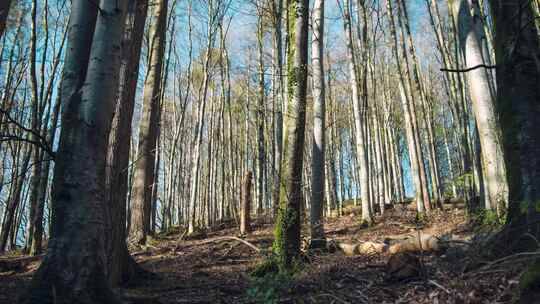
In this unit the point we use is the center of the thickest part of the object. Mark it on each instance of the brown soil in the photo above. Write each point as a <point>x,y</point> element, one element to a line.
<point>204,271</point>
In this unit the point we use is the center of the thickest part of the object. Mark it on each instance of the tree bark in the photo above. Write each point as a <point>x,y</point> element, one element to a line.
<point>518,108</point>
<point>484,108</point>
<point>360,112</point>
<point>260,121</point>
<point>287,227</point>
<point>319,118</point>
<point>148,129</point>
<point>121,264</point>
<point>245,214</point>
<point>4,12</point>
<point>75,267</point>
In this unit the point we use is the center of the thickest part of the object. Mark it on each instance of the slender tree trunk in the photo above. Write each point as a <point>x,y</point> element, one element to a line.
<point>360,112</point>
<point>277,10</point>
<point>36,123</point>
<point>260,119</point>
<point>14,200</point>
<point>122,265</point>
<point>287,229</point>
<point>318,155</point>
<point>148,129</point>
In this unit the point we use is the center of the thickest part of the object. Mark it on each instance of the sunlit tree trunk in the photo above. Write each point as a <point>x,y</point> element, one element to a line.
<point>261,172</point>
<point>483,107</point>
<point>360,112</point>
<point>318,150</point>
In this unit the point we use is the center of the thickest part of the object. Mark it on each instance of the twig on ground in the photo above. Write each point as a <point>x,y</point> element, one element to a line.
<point>233,238</point>
<point>440,286</point>
<point>333,297</point>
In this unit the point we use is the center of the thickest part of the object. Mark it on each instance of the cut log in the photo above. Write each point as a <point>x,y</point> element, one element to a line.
<point>371,248</point>
<point>426,242</point>
<point>366,248</point>
<point>348,249</point>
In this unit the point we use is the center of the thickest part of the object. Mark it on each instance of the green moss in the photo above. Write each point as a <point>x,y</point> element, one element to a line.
<point>530,280</point>
<point>487,219</point>
<point>267,289</point>
<point>267,267</point>
<point>421,218</point>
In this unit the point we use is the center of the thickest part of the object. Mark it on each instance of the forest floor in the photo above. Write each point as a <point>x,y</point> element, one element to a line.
<point>214,270</point>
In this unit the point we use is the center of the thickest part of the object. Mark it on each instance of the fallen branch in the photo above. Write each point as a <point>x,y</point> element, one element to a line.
<point>17,264</point>
<point>233,238</point>
<point>511,258</point>
<point>439,285</point>
<point>332,296</point>
<point>468,69</point>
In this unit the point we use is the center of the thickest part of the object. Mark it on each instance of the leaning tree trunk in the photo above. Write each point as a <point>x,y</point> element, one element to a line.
<point>483,107</point>
<point>317,162</point>
<point>148,129</point>
<point>287,229</point>
<point>75,267</point>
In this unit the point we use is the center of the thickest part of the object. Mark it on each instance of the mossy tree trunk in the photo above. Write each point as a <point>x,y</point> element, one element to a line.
<point>517,51</point>
<point>287,230</point>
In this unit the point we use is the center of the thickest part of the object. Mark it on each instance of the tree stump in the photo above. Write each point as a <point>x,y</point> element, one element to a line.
<point>245,219</point>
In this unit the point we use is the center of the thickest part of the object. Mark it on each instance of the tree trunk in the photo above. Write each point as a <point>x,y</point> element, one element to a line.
<point>13,203</point>
<point>518,108</point>
<point>277,10</point>
<point>4,12</point>
<point>148,129</point>
<point>75,267</point>
<point>360,112</point>
<point>318,159</point>
<point>483,107</point>
<point>245,214</point>
<point>260,119</point>
<point>287,228</point>
<point>121,264</point>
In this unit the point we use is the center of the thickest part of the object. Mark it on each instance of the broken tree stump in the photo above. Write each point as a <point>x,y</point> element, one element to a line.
<point>245,212</point>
